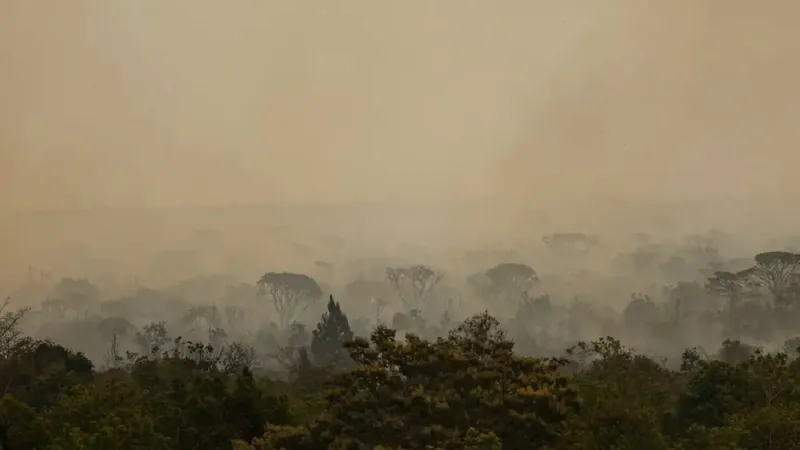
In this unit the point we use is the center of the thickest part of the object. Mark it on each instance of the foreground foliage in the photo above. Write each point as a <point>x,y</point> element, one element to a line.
<point>467,390</point>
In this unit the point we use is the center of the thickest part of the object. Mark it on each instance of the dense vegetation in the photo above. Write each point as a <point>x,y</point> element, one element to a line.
<point>520,382</point>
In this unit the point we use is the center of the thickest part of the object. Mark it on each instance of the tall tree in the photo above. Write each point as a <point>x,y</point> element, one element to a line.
<point>506,281</point>
<point>734,286</point>
<point>413,285</point>
<point>778,270</point>
<point>291,293</point>
<point>332,333</point>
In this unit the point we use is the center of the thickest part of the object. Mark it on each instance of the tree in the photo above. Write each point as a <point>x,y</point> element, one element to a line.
<point>750,402</point>
<point>103,416</point>
<point>20,426</point>
<point>733,286</point>
<point>73,294</point>
<point>507,281</point>
<point>480,337</point>
<point>626,398</point>
<point>9,326</point>
<point>291,293</point>
<point>713,391</point>
<point>333,331</point>
<point>465,391</point>
<point>778,270</point>
<point>152,338</point>
<point>641,311</point>
<point>413,285</point>
<point>203,317</point>
<point>38,372</point>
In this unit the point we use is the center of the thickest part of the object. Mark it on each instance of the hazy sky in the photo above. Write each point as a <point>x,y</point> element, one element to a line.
<point>120,102</point>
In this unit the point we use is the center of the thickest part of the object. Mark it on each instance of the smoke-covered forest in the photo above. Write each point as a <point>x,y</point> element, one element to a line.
<point>679,344</point>
<point>333,224</point>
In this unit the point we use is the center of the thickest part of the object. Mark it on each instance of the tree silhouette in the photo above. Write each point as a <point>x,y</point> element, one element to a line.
<point>9,326</point>
<point>333,331</point>
<point>413,285</point>
<point>291,293</point>
<point>778,270</point>
<point>506,281</point>
<point>734,286</point>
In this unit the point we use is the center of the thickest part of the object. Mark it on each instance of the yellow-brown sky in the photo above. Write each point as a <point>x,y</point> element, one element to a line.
<point>144,103</point>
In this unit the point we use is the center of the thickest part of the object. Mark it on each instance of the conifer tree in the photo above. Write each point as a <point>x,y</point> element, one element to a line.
<point>333,331</point>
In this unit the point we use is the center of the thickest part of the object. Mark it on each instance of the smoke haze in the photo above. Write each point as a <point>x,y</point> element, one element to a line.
<point>516,105</point>
<point>115,103</point>
<point>157,156</point>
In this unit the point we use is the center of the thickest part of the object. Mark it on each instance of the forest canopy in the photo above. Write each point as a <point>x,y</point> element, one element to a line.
<point>482,382</point>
